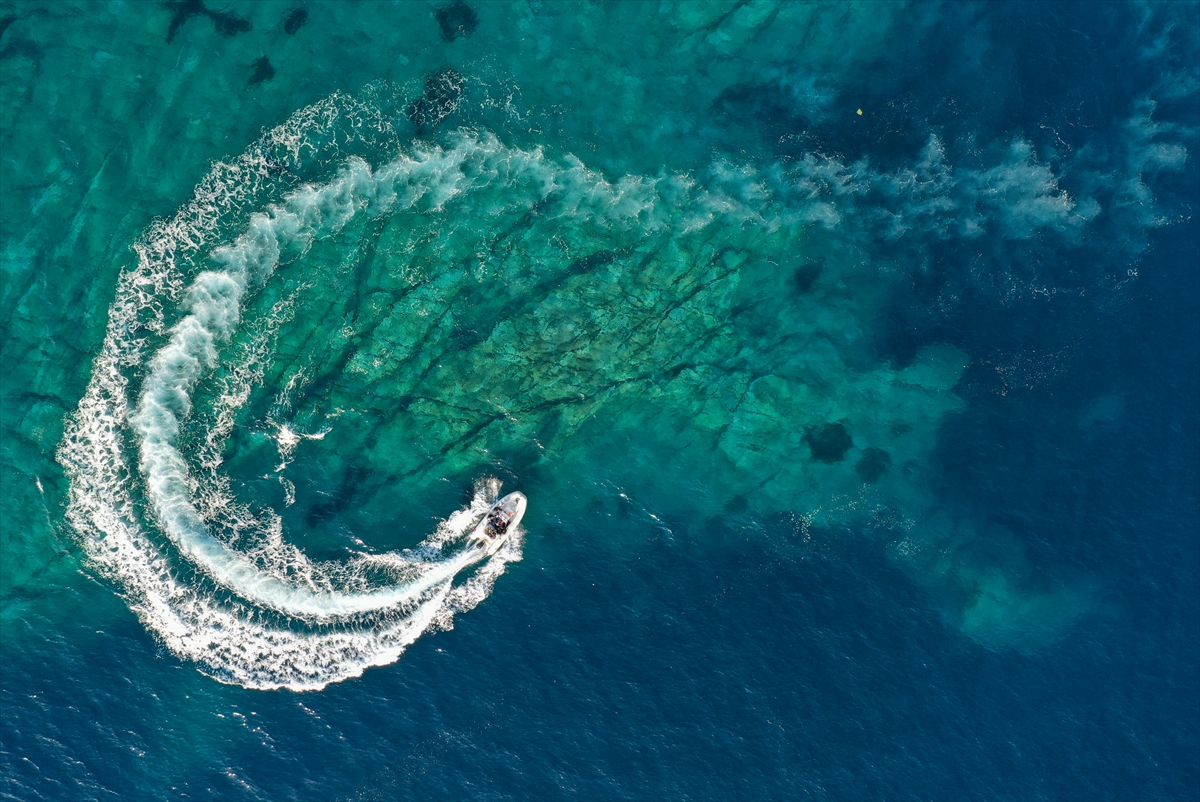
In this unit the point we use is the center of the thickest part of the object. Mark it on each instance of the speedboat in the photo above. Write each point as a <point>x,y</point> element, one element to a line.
<point>499,522</point>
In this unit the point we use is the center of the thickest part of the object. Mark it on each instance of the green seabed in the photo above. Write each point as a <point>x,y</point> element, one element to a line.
<point>567,344</point>
<point>702,360</point>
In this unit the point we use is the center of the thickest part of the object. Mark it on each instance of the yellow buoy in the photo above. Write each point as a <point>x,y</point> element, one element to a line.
<point>859,112</point>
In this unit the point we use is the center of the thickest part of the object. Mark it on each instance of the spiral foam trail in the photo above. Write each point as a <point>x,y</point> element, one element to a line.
<point>214,304</point>
<point>330,634</point>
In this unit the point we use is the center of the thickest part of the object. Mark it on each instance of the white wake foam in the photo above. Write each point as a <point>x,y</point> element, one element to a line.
<point>269,617</point>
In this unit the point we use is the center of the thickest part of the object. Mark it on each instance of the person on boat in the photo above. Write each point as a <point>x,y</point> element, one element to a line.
<point>497,523</point>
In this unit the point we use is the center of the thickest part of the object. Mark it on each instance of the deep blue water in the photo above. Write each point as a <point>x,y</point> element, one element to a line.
<point>668,633</point>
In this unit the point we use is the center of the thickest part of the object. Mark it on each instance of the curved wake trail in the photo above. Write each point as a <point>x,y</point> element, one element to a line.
<point>336,620</point>
<point>214,302</point>
<point>268,616</point>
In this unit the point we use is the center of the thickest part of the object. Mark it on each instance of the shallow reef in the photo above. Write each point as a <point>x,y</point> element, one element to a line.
<point>294,21</point>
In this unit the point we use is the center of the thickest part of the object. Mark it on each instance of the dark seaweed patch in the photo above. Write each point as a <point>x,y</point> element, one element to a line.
<point>4,23</point>
<point>591,261</point>
<point>295,21</point>
<point>184,10</point>
<point>808,273</point>
<point>438,100</point>
<point>29,50</point>
<point>737,505</point>
<point>467,336</point>
<point>828,442</point>
<point>226,23</point>
<point>456,19</point>
<point>229,24</point>
<point>873,464</point>
<point>263,71</point>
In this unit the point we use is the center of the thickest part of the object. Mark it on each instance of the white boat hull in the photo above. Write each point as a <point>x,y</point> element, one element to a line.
<point>501,520</point>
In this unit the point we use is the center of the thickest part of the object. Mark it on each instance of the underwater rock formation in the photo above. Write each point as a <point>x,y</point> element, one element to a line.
<point>456,19</point>
<point>873,463</point>
<point>828,442</point>
<point>226,23</point>
<point>263,71</point>
<point>294,21</point>
<point>807,274</point>
<point>438,100</point>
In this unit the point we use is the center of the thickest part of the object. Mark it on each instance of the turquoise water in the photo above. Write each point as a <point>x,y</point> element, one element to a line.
<point>845,351</point>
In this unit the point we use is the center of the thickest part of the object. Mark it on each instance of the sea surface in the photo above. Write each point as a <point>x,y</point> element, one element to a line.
<point>848,354</point>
